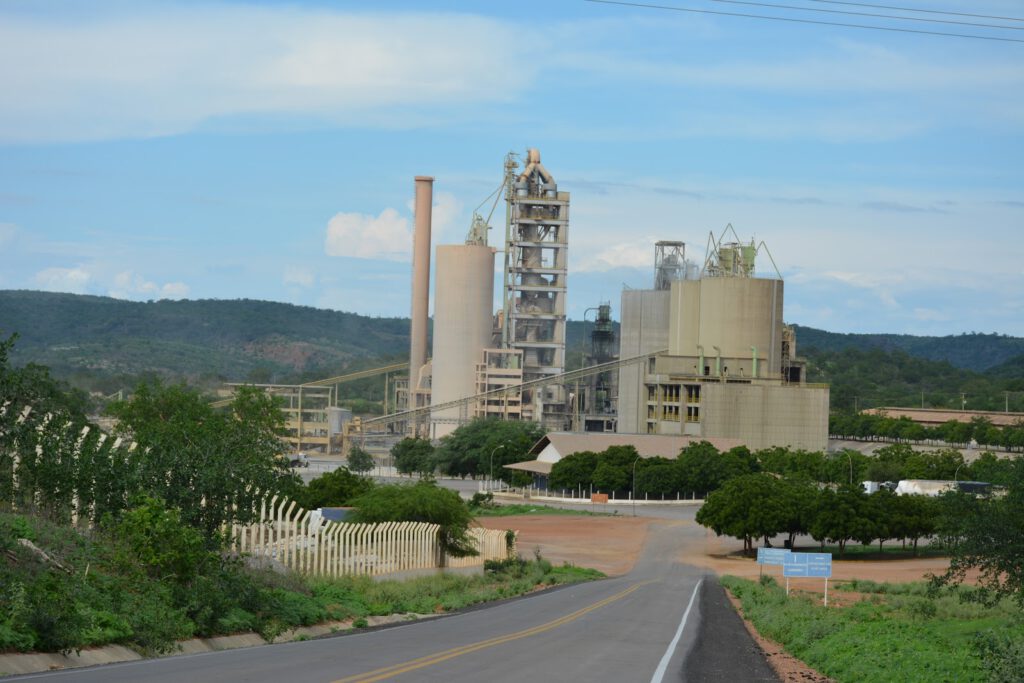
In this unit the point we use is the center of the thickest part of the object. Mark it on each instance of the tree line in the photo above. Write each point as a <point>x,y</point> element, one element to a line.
<point>980,430</point>
<point>700,468</point>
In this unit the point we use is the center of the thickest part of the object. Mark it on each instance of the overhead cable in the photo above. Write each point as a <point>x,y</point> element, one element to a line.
<point>912,9</point>
<point>868,14</point>
<point>796,20</point>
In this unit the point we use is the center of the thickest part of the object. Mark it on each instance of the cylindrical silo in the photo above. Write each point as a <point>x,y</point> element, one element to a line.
<point>463,299</point>
<point>739,312</point>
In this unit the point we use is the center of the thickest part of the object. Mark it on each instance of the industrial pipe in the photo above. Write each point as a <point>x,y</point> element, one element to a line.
<point>700,360</point>
<point>718,361</point>
<point>754,350</point>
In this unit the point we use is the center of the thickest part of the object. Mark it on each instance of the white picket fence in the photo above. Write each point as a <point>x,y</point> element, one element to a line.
<point>305,542</point>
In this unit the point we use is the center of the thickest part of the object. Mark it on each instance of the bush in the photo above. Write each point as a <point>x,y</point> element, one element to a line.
<point>420,502</point>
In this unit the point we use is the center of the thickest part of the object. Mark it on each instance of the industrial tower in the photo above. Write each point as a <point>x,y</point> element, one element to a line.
<point>534,288</point>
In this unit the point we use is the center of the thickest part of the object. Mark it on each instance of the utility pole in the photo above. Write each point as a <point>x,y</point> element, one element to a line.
<point>963,402</point>
<point>1007,396</point>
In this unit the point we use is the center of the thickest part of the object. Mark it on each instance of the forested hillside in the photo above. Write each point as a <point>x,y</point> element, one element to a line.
<point>104,344</point>
<point>971,351</point>
<point>100,342</point>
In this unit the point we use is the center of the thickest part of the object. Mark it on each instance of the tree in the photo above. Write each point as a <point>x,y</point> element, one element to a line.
<point>799,503</point>
<point>912,518</point>
<point>608,477</point>
<point>332,489</point>
<point>420,502</point>
<point>215,467</point>
<point>359,460</point>
<point>704,469</point>
<point>983,534</point>
<point>413,456</point>
<point>841,516</point>
<point>575,469</point>
<point>746,507</point>
<point>476,448</point>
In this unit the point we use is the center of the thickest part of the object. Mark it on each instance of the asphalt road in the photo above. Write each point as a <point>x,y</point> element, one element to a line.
<point>659,622</point>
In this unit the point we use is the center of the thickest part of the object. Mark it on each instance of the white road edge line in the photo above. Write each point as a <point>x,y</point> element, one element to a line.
<point>659,673</point>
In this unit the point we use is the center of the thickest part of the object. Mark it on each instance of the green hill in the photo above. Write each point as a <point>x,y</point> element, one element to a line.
<point>102,342</point>
<point>971,351</point>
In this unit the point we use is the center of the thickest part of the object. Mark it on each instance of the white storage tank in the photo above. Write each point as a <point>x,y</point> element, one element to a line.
<point>463,301</point>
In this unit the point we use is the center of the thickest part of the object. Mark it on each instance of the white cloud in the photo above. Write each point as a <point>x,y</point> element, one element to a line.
<point>131,285</point>
<point>299,276</point>
<point>145,71</point>
<point>74,280</point>
<point>637,254</point>
<point>386,236</point>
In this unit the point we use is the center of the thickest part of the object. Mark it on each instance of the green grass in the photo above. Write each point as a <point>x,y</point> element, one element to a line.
<point>897,633</point>
<point>512,509</point>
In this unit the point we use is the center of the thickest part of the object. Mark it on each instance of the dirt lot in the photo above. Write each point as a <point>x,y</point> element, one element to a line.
<point>608,544</point>
<point>612,545</point>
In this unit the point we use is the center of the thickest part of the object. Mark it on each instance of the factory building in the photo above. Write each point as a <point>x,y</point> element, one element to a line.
<point>731,369</point>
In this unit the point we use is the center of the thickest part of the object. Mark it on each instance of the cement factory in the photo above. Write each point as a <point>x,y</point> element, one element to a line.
<point>704,353</point>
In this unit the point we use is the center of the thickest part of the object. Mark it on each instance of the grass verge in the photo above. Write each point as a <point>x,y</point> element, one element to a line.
<point>63,590</point>
<point>894,633</point>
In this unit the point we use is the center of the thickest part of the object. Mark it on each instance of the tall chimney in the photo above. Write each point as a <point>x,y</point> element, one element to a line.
<point>420,278</point>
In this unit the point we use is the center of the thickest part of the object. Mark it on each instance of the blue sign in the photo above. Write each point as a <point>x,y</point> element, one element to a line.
<point>772,556</point>
<point>794,569</point>
<point>817,565</point>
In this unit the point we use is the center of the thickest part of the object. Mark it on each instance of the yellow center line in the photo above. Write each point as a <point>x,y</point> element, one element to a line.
<point>429,660</point>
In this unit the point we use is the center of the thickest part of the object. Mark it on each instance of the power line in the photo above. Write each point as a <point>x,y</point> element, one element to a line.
<point>911,9</point>
<point>805,21</point>
<point>868,14</point>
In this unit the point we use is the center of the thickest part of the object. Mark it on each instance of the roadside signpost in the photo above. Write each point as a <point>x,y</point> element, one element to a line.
<point>808,565</point>
<point>771,556</point>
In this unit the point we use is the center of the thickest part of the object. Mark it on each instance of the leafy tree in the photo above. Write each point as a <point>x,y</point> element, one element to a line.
<point>483,445</point>
<point>841,516</point>
<point>940,464</point>
<point>608,477</point>
<point>799,503</point>
<point>992,469</point>
<point>912,518</point>
<point>890,463</point>
<point>575,469</point>
<point>420,502</point>
<point>215,467</point>
<point>703,469</point>
<point>983,534</point>
<point>746,507</point>
<point>359,460</point>
<point>413,456</point>
<point>332,489</point>
<point>657,477</point>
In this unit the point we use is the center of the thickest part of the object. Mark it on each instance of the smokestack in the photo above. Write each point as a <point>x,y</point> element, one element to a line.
<point>420,277</point>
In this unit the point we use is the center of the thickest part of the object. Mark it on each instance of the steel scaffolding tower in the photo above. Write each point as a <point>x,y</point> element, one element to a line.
<point>536,259</point>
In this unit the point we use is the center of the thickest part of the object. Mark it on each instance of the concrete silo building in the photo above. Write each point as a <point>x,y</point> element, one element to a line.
<point>463,302</point>
<point>730,370</point>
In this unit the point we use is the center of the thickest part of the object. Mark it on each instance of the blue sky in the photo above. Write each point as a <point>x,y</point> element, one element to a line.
<point>266,150</point>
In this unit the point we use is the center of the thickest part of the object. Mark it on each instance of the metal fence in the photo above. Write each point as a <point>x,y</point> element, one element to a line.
<point>305,542</point>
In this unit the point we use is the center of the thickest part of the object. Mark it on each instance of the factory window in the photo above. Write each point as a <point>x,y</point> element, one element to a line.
<point>692,414</point>
<point>651,393</point>
<point>707,370</point>
<point>693,393</point>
